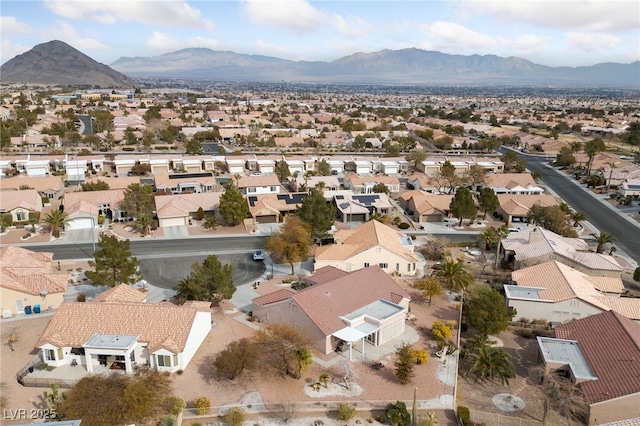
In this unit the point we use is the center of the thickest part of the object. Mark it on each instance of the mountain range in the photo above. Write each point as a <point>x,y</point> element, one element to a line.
<point>56,62</point>
<point>406,66</point>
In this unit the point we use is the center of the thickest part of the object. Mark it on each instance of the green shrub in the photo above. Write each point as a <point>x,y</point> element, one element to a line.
<point>404,225</point>
<point>397,414</point>
<point>81,298</point>
<point>101,220</point>
<point>202,405</point>
<point>6,219</point>
<point>345,412</point>
<point>464,415</point>
<point>235,416</point>
<point>128,148</point>
<point>200,213</point>
<point>174,405</point>
<point>45,200</point>
<point>636,274</point>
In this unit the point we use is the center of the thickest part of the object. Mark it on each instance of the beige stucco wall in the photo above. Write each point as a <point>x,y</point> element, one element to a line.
<point>373,256</point>
<point>626,407</point>
<point>288,312</point>
<point>8,299</point>
<point>574,308</point>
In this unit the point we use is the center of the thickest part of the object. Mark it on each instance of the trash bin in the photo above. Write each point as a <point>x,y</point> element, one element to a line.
<point>36,309</point>
<point>27,310</point>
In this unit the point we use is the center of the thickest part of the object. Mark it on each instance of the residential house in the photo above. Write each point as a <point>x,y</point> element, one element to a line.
<point>180,209</point>
<point>537,245</point>
<point>179,183</point>
<point>75,170</point>
<point>352,208</point>
<point>235,165</point>
<point>431,166</point>
<point>511,183</point>
<point>270,208</point>
<point>29,280</point>
<point>619,173</point>
<point>601,354</point>
<point>364,185</point>
<point>51,187</point>
<point>20,204</point>
<point>558,293</point>
<point>124,335</point>
<point>328,183</point>
<point>365,306</point>
<point>425,206</point>
<point>422,182</point>
<point>121,293</point>
<point>372,243</point>
<point>259,185</point>
<point>516,208</point>
<point>84,207</point>
<point>630,188</point>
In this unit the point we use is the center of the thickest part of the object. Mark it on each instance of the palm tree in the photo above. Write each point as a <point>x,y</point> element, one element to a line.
<point>454,276</point>
<point>490,363</point>
<point>324,379</point>
<point>603,239</point>
<point>489,237</point>
<point>56,219</point>
<point>210,222</point>
<point>577,218</point>
<point>143,223</point>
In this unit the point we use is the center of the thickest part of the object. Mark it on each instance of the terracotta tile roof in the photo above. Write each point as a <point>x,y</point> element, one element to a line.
<point>39,183</point>
<point>628,307</point>
<point>357,180</point>
<point>163,180</point>
<point>121,293</point>
<point>28,199</point>
<point>364,237</point>
<point>509,180</point>
<point>536,242</point>
<point>561,282</point>
<point>183,204</point>
<point>158,324</point>
<point>95,198</point>
<point>273,297</point>
<point>611,345</point>
<point>115,182</point>
<point>257,181</point>
<point>326,274</point>
<point>519,205</point>
<point>30,272</point>
<point>324,304</point>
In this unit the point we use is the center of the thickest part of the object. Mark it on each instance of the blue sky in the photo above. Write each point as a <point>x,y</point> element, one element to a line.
<point>549,32</point>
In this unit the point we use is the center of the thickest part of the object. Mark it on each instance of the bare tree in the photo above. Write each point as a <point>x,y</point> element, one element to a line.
<point>349,374</point>
<point>560,394</point>
<point>12,337</point>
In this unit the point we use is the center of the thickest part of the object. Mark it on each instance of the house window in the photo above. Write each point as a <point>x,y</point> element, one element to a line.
<point>575,303</point>
<point>274,189</point>
<point>408,267</point>
<point>49,355</point>
<point>119,358</point>
<point>20,216</point>
<point>251,189</point>
<point>164,360</point>
<point>397,266</point>
<point>293,307</point>
<point>383,265</point>
<point>366,264</point>
<point>175,360</point>
<point>296,327</point>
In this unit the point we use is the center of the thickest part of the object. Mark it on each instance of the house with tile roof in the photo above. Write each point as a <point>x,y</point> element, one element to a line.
<point>536,245</point>
<point>20,204</point>
<point>121,293</point>
<point>601,354</point>
<point>360,308</point>
<point>426,207</point>
<point>261,184</point>
<point>512,183</point>
<point>558,293</point>
<point>84,207</point>
<point>122,335</point>
<point>270,208</point>
<point>28,280</point>
<point>354,208</point>
<point>371,243</point>
<point>364,185</point>
<point>516,207</point>
<point>51,186</point>
<point>178,209</point>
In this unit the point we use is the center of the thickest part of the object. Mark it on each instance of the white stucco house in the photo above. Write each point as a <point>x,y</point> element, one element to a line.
<point>123,335</point>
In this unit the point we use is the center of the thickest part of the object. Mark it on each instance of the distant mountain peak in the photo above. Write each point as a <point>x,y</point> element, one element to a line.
<point>56,62</point>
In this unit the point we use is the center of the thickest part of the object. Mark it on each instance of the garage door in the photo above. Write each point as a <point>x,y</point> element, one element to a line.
<point>80,223</point>
<point>433,218</point>
<point>267,219</point>
<point>361,217</point>
<point>173,221</point>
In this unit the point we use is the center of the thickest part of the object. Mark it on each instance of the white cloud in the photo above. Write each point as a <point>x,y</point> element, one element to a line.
<point>452,35</point>
<point>175,13</point>
<point>294,15</point>
<point>587,15</point>
<point>268,49</point>
<point>526,43</point>
<point>64,31</point>
<point>166,43</point>
<point>352,27</point>
<point>11,25</point>
<point>589,42</point>
<point>10,50</point>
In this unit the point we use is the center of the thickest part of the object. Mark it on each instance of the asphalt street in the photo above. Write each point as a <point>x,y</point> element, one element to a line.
<point>599,214</point>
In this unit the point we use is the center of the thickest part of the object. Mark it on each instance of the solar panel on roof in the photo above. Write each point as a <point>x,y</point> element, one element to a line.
<point>344,205</point>
<point>339,197</point>
<point>634,186</point>
<point>190,175</point>
<point>367,200</point>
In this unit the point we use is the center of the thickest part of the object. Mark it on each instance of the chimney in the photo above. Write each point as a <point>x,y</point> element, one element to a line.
<point>535,235</point>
